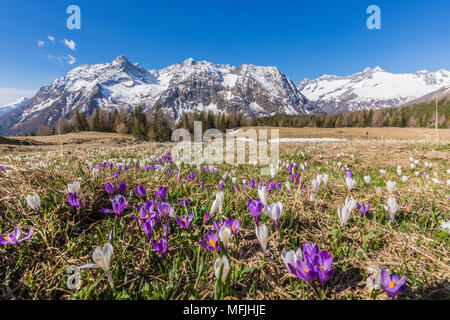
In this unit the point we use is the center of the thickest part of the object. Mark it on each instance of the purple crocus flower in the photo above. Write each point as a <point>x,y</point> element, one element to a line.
<point>111,166</point>
<point>270,186</point>
<point>147,211</point>
<point>303,271</point>
<point>349,173</point>
<point>206,217</point>
<point>164,210</point>
<point>73,201</point>
<point>12,239</point>
<point>218,225</point>
<point>221,185</point>
<point>363,208</point>
<point>140,190</point>
<point>117,174</point>
<point>255,208</point>
<point>185,222</point>
<point>392,284</point>
<point>122,188</point>
<point>234,225</point>
<point>323,267</point>
<point>252,183</point>
<point>119,206</point>
<point>211,242</point>
<point>202,184</point>
<point>136,166</point>
<point>191,176</point>
<point>160,247</point>
<point>1,168</point>
<point>110,190</point>
<point>236,188</point>
<point>162,194</point>
<point>170,172</point>
<point>185,203</point>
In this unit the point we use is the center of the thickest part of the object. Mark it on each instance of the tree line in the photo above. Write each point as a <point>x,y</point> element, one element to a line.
<point>157,126</point>
<point>418,115</point>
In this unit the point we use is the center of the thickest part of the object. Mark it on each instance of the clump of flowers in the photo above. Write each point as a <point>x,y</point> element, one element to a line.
<point>313,266</point>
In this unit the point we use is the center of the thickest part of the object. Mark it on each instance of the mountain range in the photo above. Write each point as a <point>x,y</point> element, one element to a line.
<point>203,86</point>
<point>374,89</point>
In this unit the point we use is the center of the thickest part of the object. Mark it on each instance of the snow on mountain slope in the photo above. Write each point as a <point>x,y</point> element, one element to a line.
<point>371,89</point>
<point>12,105</point>
<point>178,89</point>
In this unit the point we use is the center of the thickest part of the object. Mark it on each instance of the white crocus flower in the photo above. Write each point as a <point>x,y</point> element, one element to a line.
<point>399,170</point>
<point>345,211</point>
<point>390,185</point>
<point>74,187</point>
<point>405,178</point>
<point>214,206</point>
<point>315,185</point>
<point>291,257</point>
<point>351,183</point>
<point>445,225</point>
<point>262,233</point>
<point>374,277</point>
<point>382,171</point>
<point>220,198</point>
<point>102,260</point>
<point>275,210</point>
<point>436,180</point>
<point>34,202</point>
<point>224,264</point>
<point>262,191</point>
<point>288,185</point>
<point>323,178</point>
<point>392,207</point>
<point>224,235</point>
<point>367,179</point>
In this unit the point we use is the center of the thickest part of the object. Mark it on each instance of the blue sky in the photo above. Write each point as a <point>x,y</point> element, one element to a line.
<point>301,38</point>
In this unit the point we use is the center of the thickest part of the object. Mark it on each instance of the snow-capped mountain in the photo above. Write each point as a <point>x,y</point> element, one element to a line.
<point>371,89</point>
<point>13,105</point>
<point>178,89</point>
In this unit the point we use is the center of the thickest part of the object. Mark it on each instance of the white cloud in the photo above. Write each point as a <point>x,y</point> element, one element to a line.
<point>69,44</point>
<point>8,95</point>
<point>52,39</point>
<point>59,59</point>
<point>40,43</point>
<point>71,59</point>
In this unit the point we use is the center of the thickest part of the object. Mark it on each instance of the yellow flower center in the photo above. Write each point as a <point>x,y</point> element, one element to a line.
<point>391,284</point>
<point>165,213</point>
<point>305,271</point>
<point>212,242</point>
<point>147,216</point>
<point>323,269</point>
<point>184,220</point>
<point>204,218</point>
<point>7,238</point>
<point>233,228</point>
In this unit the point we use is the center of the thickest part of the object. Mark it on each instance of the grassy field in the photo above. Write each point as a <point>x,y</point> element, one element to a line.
<point>414,244</point>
